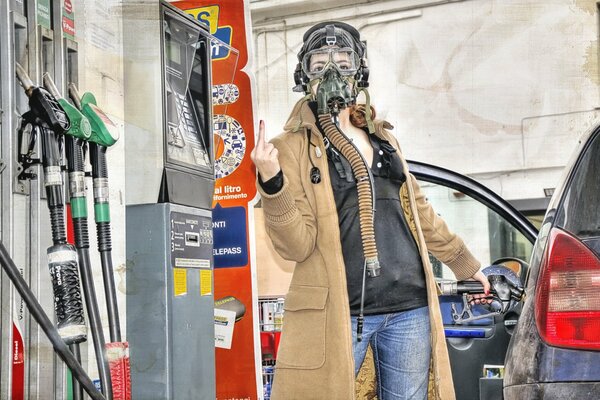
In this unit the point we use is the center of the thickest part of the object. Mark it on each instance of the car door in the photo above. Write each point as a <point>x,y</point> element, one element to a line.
<point>495,233</point>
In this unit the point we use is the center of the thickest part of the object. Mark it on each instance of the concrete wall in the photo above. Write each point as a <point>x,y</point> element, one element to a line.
<point>496,89</point>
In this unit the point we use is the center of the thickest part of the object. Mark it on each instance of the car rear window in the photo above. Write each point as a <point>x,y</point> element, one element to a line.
<point>580,210</point>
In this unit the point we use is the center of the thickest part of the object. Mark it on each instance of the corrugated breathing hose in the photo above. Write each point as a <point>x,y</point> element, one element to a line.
<point>366,203</point>
<point>363,177</point>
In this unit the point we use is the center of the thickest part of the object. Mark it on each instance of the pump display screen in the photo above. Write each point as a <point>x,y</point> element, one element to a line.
<point>187,135</point>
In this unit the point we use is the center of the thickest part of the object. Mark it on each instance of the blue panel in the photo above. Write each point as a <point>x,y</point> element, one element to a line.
<point>464,333</point>
<point>223,33</point>
<point>230,237</point>
<point>565,365</point>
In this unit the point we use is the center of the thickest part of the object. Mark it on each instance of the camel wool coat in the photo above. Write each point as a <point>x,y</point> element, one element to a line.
<point>315,358</point>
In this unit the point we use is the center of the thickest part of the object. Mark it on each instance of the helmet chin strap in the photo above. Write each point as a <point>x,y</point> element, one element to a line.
<point>370,124</point>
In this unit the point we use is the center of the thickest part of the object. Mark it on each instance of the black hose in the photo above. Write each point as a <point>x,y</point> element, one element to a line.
<point>44,322</point>
<point>111,296</point>
<point>62,260</point>
<point>48,117</point>
<point>100,175</point>
<point>82,239</point>
<point>75,164</point>
<point>361,315</point>
<point>57,223</point>
<point>98,160</point>
<point>87,282</point>
<point>77,389</point>
<point>104,239</point>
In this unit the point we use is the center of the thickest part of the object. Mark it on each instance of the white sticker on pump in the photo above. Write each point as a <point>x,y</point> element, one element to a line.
<point>224,323</point>
<point>192,263</point>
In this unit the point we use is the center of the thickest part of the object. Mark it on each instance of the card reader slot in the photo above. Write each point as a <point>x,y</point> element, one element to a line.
<point>192,239</point>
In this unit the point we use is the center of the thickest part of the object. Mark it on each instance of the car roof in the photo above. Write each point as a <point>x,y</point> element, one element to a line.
<point>582,141</point>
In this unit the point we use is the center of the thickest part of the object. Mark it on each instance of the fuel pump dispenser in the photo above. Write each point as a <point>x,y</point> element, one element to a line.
<point>170,181</point>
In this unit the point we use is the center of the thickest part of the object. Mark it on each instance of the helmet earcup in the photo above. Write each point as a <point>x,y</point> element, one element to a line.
<point>300,79</point>
<point>362,75</point>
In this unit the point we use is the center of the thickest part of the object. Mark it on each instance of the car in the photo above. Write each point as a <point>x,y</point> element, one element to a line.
<point>548,347</point>
<point>555,350</point>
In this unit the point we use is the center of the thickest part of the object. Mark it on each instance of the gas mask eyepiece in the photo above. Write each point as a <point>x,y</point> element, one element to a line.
<point>316,62</point>
<point>332,68</point>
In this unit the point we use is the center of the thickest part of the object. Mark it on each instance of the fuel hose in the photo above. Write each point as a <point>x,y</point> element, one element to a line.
<point>74,145</point>
<point>80,127</point>
<point>76,169</point>
<point>102,137</point>
<point>105,134</point>
<point>50,121</point>
<point>103,230</point>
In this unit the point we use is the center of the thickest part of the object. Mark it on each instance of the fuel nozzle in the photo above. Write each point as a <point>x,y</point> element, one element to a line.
<point>80,125</point>
<point>506,292</point>
<point>373,268</point>
<point>24,79</point>
<point>43,105</point>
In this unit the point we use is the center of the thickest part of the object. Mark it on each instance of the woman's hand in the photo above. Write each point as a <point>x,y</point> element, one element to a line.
<point>482,297</point>
<point>265,156</point>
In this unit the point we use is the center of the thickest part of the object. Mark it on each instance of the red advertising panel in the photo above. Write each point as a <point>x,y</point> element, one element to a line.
<point>233,120</point>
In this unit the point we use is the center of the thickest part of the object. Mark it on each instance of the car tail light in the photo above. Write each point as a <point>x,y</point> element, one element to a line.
<point>567,302</point>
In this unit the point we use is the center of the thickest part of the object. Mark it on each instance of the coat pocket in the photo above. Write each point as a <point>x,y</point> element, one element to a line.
<point>303,337</point>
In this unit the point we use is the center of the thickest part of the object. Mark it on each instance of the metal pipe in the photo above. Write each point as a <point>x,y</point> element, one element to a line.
<point>77,389</point>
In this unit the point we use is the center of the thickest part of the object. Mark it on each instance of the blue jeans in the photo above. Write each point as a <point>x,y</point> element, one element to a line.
<point>402,350</point>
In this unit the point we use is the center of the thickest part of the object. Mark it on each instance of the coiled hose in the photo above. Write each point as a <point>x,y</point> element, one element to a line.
<point>366,205</point>
<point>364,182</point>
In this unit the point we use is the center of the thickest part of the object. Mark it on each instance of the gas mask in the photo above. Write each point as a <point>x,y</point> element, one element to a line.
<point>331,68</point>
<point>332,71</point>
<point>333,93</point>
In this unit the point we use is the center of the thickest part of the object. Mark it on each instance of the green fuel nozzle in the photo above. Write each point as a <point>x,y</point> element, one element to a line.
<point>104,131</point>
<point>80,125</point>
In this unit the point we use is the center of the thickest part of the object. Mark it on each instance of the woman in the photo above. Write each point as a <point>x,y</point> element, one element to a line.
<point>362,277</point>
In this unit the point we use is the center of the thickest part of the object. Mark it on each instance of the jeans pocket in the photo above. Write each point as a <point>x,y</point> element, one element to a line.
<point>303,335</point>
